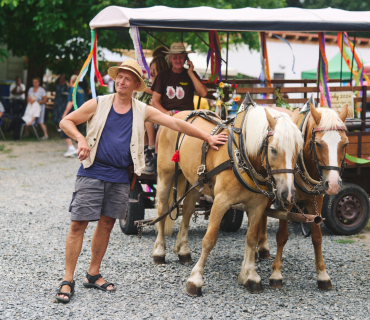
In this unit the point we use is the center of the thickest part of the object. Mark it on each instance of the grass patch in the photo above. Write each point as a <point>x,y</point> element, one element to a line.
<point>3,149</point>
<point>12,156</point>
<point>359,236</point>
<point>368,226</point>
<point>344,241</point>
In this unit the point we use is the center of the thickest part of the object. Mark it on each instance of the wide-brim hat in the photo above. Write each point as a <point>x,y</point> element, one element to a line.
<point>177,48</point>
<point>130,65</point>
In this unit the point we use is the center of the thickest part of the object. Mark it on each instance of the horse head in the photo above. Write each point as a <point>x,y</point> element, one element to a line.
<point>278,141</point>
<point>326,141</point>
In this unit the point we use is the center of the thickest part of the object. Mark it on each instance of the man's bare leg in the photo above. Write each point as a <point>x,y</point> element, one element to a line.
<point>73,249</point>
<point>99,245</point>
<point>44,130</point>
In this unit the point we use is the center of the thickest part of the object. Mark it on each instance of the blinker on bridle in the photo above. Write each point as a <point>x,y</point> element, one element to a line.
<point>312,147</point>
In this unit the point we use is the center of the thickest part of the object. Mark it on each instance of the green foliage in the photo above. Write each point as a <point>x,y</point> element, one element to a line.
<point>56,33</point>
<point>3,55</point>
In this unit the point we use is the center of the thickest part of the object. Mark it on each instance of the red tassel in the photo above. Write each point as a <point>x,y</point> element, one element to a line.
<point>176,156</point>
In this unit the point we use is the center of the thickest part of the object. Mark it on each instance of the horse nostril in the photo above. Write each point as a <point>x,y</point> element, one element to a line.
<point>326,185</point>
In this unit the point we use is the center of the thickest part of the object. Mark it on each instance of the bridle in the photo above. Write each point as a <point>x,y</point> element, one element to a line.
<point>313,147</point>
<point>264,150</point>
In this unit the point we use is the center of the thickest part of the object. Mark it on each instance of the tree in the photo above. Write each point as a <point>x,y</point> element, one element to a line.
<point>56,34</point>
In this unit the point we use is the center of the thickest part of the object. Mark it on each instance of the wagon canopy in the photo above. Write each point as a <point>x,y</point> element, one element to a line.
<point>246,19</point>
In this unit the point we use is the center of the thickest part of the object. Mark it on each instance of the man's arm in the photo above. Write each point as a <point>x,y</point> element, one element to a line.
<point>156,101</point>
<point>68,108</point>
<point>200,88</point>
<point>69,123</point>
<point>153,115</point>
<point>14,90</point>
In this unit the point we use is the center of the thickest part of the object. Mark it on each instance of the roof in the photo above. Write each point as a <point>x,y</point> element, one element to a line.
<point>245,19</point>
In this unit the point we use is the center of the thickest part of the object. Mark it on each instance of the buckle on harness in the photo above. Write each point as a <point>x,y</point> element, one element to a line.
<point>201,169</point>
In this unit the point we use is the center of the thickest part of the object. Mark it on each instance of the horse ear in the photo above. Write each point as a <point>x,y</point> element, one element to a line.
<point>270,119</point>
<point>343,113</point>
<point>295,116</point>
<point>315,114</point>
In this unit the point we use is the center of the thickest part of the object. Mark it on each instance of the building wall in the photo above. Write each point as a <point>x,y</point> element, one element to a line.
<point>11,67</point>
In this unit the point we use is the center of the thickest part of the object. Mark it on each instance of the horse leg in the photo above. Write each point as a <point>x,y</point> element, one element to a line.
<point>164,185</point>
<point>323,279</point>
<point>182,243</point>
<point>248,276</point>
<point>195,281</point>
<point>263,246</point>
<point>276,279</point>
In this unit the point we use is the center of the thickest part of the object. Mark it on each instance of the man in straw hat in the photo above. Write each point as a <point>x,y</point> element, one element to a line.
<point>173,89</point>
<point>114,141</point>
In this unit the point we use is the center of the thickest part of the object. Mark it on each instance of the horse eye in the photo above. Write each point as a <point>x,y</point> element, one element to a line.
<point>345,145</point>
<point>273,151</point>
<point>318,144</point>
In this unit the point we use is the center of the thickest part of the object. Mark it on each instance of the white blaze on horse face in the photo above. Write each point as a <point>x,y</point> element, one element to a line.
<point>289,165</point>
<point>332,139</point>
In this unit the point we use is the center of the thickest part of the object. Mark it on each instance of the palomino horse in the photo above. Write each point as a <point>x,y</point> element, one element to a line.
<point>281,151</point>
<point>328,147</point>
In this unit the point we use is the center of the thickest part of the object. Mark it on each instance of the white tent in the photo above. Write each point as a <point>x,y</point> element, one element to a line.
<point>245,19</point>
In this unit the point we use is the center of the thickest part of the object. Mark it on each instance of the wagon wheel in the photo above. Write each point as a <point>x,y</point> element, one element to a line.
<point>232,220</point>
<point>135,211</point>
<point>347,212</point>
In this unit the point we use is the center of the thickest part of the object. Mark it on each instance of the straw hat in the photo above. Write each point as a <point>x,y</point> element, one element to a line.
<point>130,65</point>
<point>177,48</point>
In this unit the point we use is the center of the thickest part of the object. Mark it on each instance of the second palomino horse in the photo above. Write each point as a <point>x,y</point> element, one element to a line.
<point>321,163</point>
<point>270,141</point>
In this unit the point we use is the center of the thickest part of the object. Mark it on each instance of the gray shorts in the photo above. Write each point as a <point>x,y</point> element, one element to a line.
<point>94,197</point>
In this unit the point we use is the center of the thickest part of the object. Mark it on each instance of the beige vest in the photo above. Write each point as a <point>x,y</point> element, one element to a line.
<point>96,125</point>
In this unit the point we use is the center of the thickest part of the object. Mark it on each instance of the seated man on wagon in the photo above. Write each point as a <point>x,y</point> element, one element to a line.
<point>173,89</point>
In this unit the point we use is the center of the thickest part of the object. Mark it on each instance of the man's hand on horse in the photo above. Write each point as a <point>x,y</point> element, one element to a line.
<point>83,149</point>
<point>219,139</point>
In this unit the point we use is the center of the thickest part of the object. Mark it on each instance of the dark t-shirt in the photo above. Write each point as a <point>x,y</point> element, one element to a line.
<point>176,90</point>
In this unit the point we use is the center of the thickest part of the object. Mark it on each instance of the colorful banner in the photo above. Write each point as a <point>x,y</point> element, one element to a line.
<point>139,54</point>
<point>215,57</point>
<point>359,75</point>
<point>286,41</point>
<point>323,73</point>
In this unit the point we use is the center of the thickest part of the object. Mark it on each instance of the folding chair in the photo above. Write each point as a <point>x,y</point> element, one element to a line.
<point>1,131</point>
<point>33,126</point>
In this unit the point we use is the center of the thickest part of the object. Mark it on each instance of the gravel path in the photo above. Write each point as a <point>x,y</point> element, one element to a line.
<point>36,186</point>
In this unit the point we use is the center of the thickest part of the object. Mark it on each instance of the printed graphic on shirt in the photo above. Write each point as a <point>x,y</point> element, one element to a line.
<point>171,92</point>
<point>180,93</point>
<point>184,83</point>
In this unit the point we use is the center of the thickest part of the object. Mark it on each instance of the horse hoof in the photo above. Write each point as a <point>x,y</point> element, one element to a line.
<point>192,290</point>
<point>185,259</point>
<point>277,284</point>
<point>254,287</point>
<point>264,254</point>
<point>159,260</point>
<point>324,285</point>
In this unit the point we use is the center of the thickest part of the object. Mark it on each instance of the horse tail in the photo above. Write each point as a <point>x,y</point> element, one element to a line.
<point>170,221</point>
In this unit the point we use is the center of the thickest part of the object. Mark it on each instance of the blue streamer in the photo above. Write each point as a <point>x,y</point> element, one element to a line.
<point>92,80</point>
<point>286,41</point>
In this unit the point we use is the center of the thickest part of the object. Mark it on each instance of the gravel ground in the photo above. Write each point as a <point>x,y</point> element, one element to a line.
<point>36,187</point>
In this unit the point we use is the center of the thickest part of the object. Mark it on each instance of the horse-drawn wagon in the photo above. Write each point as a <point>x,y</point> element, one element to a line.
<point>347,212</point>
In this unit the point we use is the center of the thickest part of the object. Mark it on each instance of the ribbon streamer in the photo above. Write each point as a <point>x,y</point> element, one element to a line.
<point>357,160</point>
<point>135,36</point>
<point>323,73</point>
<point>342,37</point>
<point>286,41</point>
<point>215,57</point>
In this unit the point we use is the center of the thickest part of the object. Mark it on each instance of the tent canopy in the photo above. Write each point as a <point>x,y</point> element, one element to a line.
<point>245,19</point>
<point>334,69</point>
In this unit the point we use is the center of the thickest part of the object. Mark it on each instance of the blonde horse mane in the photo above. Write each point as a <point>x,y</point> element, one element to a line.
<point>329,119</point>
<point>286,134</point>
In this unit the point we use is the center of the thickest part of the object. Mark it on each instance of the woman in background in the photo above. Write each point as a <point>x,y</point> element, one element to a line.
<point>60,101</point>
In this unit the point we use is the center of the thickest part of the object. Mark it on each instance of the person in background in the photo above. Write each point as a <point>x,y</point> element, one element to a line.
<point>173,89</point>
<point>60,101</point>
<point>17,97</point>
<point>80,100</point>
<point>159,51</point>
<point>33,111</point>
<point>157,65</point>
<point>2,110</point>
<point>40,94</point>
